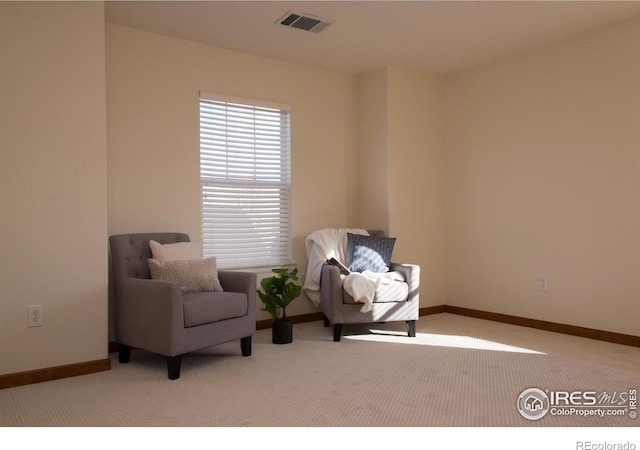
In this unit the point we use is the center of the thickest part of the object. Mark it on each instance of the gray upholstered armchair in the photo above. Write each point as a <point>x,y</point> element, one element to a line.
<point>398,301</point>
<point>157,316</point>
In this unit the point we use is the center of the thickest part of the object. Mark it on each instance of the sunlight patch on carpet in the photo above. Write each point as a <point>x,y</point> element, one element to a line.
<point>439,340</point>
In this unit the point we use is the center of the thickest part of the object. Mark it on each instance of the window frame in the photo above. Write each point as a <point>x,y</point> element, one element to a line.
<point>249,156</point>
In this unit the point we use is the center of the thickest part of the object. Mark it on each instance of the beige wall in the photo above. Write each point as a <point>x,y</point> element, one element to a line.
<point>543,179</point>
<point>415,170</point>
<point>153,134</point>
<point>52,184</point>
<point>401,164</point>
<point>373,162</point>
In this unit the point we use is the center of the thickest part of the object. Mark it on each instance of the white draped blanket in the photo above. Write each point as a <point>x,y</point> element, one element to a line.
<point>322,245</point>
<point>362,286</point>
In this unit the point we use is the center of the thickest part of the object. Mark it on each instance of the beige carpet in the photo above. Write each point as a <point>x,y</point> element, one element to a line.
<point>457,372</point>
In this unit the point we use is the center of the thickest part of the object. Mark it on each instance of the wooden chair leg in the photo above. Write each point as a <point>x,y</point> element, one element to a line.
<point>337,332</point>
<point>173,366</point>
<point>245,346</point>
<point>411,328</point>
<point>327,322</point>
<point>124,353</point>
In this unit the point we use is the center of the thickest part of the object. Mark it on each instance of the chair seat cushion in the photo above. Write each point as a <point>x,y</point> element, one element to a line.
<point>395,292</point>
<point>207,307</point>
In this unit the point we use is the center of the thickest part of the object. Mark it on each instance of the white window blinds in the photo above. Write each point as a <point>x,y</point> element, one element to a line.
<point>245,182</point>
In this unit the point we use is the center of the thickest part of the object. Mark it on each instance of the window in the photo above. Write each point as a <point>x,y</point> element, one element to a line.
<point>245,182</point>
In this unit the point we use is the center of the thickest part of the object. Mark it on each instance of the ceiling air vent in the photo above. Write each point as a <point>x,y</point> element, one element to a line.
<point>304,22</point>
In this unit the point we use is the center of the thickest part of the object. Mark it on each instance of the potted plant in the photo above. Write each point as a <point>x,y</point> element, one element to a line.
<point>277,292</point>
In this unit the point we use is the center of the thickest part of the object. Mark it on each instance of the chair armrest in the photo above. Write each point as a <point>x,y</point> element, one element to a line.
<point>411,273</point>
<point>330,273</point>
<point>149,314</point>
<point>246,282</point>
<point>330,289</point>
<point>238,281</point>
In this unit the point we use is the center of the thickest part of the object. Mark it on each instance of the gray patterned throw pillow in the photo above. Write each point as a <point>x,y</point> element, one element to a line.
<point>369,253</point>
<point>198,275</point>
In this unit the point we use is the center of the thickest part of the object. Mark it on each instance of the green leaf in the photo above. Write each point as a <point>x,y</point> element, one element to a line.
<point>278,291</point>
<point>290,292</point>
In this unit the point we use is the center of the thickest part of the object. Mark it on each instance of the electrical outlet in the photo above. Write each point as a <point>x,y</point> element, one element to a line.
<point>35,316</point>
<point>542,284</point>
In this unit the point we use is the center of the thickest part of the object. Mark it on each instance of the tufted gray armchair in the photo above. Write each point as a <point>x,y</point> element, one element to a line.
<point>158,317</point>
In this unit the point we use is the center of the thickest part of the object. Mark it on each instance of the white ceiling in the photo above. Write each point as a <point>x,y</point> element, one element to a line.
<point>434,36</point>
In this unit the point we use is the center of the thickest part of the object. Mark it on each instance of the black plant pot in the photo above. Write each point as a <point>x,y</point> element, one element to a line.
<point>282,331</point>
